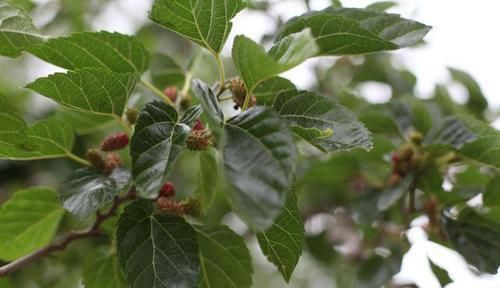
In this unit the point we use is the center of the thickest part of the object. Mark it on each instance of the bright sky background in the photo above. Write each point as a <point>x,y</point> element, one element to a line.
<point>465,36</point>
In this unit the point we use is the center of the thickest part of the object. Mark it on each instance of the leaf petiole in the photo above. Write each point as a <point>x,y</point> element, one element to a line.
<point>157,92</point>
<point>78,159</point>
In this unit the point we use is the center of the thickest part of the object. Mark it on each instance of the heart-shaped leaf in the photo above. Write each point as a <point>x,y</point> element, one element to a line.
<point>224,258</point>
<point>87,190</point>
<point>344,31</point>
<point>259,157</point>
<point>255,65</point>
<point>322,121</point>
<point>111,51</point>
<point>158,139</point>
<point>206,23</point>
<point>17,31</point>
<point>22,232</point>
<point>94,90</point>
<point>157,250</point>
<point>282,243</point>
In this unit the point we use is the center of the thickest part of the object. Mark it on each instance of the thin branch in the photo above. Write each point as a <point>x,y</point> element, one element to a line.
<point>93,231</point>
<point>157,92</point>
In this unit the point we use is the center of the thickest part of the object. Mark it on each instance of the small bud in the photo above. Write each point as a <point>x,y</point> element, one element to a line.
<point>113,161</point>
<point>171,93</point>
<point>192,207</point>
<point>198,125</point>
<point>199,140</point>
<point>405,152</point>
<point>131,115</point>
<point>167,190</point>
<point>96,159</point>
<point>115,142</point>
<point>169,206</point>
<point>185,103</point>
<point>416,138</point>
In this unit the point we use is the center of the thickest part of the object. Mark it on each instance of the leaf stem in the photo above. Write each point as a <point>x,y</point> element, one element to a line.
<point>247,99</point>
<point>124,125</point>
<point>92,231</point>
<point>157,92</point>
<point>78,159</point>
<point>222,73</point>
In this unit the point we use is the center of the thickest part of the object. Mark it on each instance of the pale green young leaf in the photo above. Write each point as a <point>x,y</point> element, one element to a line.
<point>87,190</point>
<point>103,271</point>
<point>93,90</point>
<point>381,6</point>
<point>322,121</point>
<point>208,175</point>
<point>48,138</point>
<point>346,31</point>
<point>255,65</point>
<point>491,195</point>
<point>28,221</point>
<point>17,31</point>
<point>224,258</point>
<point>259,157</point>
<point>112,51</point>
<point>158,139</point>
<point>282,243</point>
<point>166,72</point>
<point>157,250</point>
<point>207,23</point>
<point>84,122</point>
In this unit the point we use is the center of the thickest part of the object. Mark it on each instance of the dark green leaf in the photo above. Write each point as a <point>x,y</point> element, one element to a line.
<point>491,196</point>
<point>112,51</point>
<point>282,243</point>
<point>259,157</point>
<point>250,58</point>
<point>207,176</point>
<point>17,31</point>
<point>475,234</point>
<point>157,250</point>
<point>103,271</point>
<point>224,258</point>
<point>268,90</point>
<point>87,190</point>
<point>166,72</point>
<point>322,121</point>
<point>158,139</point>
<point>206,23</point>
<point>477,102</point>
<point>28,221</point>
<point>341,31</point>
<point>93,90</point>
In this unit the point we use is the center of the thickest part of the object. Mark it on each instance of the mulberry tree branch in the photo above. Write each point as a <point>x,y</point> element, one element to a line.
<point>62,244</point>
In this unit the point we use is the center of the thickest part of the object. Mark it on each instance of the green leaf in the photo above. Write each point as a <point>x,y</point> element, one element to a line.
<point>103,271</point>
<point>111,51</point>
<point>156,250</point>
<point>412,112</point>
<point>84,122</point>
<point>322,121</point>
<point>158,139</point>
<point>208,175</point>
<point>259,157</point>
<point>209,101</point>
<point>166,72</point>
<point>282,243</point>
<point>477,102</point>
<point>224,258</point>
<point>391,195</point>
<point>255,65</point>
<point>28,221</point>
<point>381,6</point>
<point>475,234</point>
<point>17,31</point>
<point>346,31</point>
<point>472,138</point>
<point>49,138</point>
<point>206,23</point>
<point>268,90</point>
<point>377,270</point>
<point>87,190</point>
<point>491,196</point>
<point>91,89</point>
